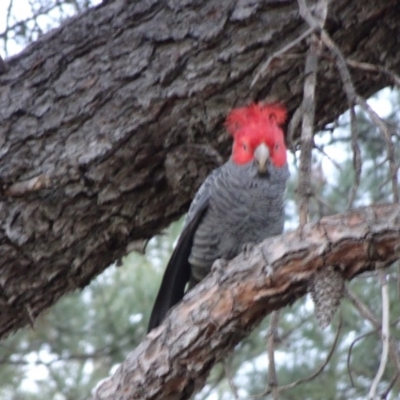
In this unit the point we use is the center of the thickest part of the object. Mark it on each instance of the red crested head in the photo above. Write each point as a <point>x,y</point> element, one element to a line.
<point>254,125</point>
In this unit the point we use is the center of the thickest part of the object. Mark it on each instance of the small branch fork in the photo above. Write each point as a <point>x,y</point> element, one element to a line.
<point>280,389</point>
<point>389,344</point>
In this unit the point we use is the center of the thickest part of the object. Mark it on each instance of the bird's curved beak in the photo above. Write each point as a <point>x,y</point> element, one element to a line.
<point>261,156</point>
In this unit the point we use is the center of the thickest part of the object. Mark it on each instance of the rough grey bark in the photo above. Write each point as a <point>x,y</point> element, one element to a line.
<point>175,359</point>
<point>109,124</point>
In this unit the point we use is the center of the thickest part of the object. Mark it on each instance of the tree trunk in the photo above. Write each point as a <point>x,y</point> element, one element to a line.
<point>109,124</point>
<point>174,360</point>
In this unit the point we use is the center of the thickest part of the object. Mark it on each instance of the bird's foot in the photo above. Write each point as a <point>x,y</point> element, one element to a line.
<point>247,248</point>
<point>218,267</point>
<point>269,270</point>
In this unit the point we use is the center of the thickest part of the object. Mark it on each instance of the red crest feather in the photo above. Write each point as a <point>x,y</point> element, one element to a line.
<point>256,115</point>
<point>255,124</point>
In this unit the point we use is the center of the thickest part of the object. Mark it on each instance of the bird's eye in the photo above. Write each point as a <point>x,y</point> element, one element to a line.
<point>277,146</point>
<point>245,148</point>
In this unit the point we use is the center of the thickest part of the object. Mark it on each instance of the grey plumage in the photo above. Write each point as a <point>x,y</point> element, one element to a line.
<point>235,205</point>
<point>242,207</point>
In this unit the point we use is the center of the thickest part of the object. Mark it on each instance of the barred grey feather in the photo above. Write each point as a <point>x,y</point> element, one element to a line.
<point>243,207</point>
<point>235,205</point>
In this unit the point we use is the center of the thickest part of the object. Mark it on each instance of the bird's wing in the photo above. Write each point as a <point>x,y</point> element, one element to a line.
<point>202,197</point>
<point>177,273</point>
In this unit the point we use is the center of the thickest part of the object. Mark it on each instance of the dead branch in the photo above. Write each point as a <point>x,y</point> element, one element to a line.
<point>385,334</point>
<point>357,160</point>
<point>321,367</point>
<point>375,68</point>
<point>308,107</point>
<point>280,53</point>
<point>272,375</point>
<point>292,127</point>
<point>229,377</point>
<point>348,361</point>
<point>307,130</point>
<point>366,313</point>
<point>385,394</point>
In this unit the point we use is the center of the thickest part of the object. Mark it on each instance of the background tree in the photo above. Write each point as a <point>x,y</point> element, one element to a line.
<point>74,363</point>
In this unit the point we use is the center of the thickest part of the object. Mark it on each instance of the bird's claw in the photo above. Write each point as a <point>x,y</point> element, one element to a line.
<point>218,267</point>
<point>247,248</point>
<point>269,270</point>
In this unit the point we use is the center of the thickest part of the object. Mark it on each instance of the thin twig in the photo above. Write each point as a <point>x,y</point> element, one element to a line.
<point>349,353</point>
<point>323,202</point>
<point>367,314</point>
<point>335,164</point>
<point>361,307</point>
<point>383,184</point>
<point>9,10</point>
<point>385,334</point>
<point>229,377</point>
<point>308,106</point>
<point>206,392</point>
<point>314,374</point>
<point>285,336</point>
<point>293,125</point>
<point>389,144</point>
<point>321,368</point>
<point>357,161</point>
<point>272,333</point>
<point>385,394</point>
<point>307,132</point>
<point>374,68</point>
<point>398,281</point>
<point>278,54</point>
<point>341,66</point>
<point>306,15</point>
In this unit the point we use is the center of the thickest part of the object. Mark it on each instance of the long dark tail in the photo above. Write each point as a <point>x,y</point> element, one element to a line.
<point>177,273</point>
<point>173,284</point>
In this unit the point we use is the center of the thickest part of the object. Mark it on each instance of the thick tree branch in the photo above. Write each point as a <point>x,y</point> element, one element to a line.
<point>110,123</point>
<point>175,359</point>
